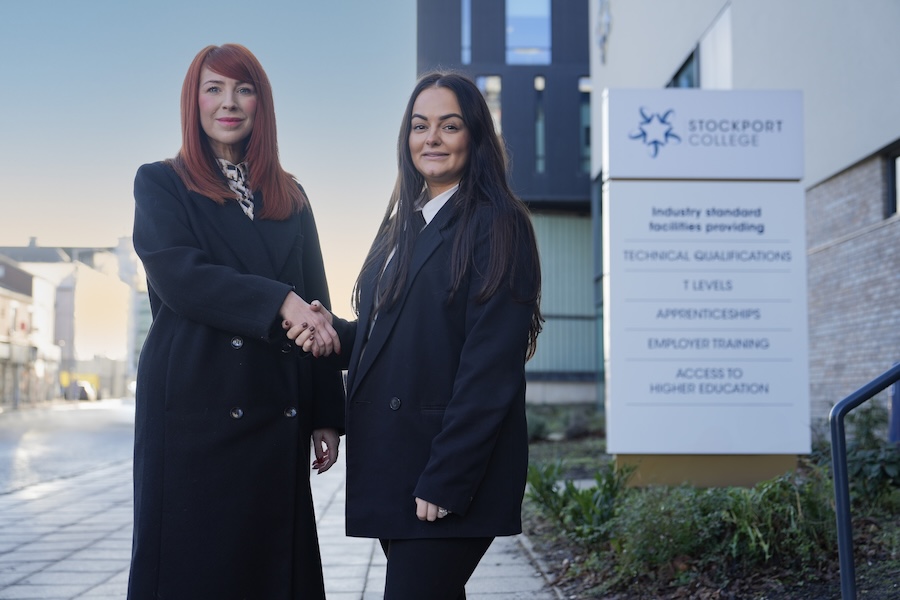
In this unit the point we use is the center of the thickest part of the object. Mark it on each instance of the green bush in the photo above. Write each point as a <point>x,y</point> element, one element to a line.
<point>873,463</point>
<point>788,519</point>
<point>587,512</point>
<point>661,526</point>
<point>537,427</point>
<point>657,537</point>
<point>874,475</point>
<point>544,487</point>
<point>671,534</point>
<point>582,512</point>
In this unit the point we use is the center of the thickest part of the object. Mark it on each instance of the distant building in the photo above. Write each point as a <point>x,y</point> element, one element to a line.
<point>530,59</point>
<point>843,58</point>
<point>131,271</point>
<point>29,358</point>
<point>91,316</point>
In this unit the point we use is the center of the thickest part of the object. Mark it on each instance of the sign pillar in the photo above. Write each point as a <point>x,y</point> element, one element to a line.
<point>704,284</point>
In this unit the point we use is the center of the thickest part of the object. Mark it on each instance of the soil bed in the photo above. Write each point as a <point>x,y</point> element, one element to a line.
<point>578,575</point>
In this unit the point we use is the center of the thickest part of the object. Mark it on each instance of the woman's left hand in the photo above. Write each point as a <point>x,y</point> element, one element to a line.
<point>426,511</point>
<point>306,338</point>
<point>309,327</point>
<point>325,445</point>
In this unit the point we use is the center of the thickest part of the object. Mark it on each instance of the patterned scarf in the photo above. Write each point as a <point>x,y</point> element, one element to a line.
<point>237,180</point>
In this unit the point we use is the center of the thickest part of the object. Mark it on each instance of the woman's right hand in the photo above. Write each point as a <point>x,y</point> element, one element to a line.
<point>309,325</point>
<point>306,337</point>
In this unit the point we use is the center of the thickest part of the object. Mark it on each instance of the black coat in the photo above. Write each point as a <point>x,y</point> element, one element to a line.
<point>436,402</point>
<point>225,403</point>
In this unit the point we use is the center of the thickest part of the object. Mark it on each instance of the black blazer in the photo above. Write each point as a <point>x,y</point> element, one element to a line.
<point>225,402</point>
<point>436,402</point>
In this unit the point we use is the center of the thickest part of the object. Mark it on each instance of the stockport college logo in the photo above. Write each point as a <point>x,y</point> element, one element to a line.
<point>655,130</point>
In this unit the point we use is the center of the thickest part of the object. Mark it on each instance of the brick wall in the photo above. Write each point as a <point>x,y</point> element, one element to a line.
<point>854,284</point>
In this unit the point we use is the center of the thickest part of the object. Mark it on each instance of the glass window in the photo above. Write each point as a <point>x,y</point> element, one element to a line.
<point>688,76</point>
<point>491,86</point>
<point>584,131</point>
<point>528,32</point>
<point>891,165</point>
<point>540,138</point>
<point>466,34</point>
<point>896,182</point>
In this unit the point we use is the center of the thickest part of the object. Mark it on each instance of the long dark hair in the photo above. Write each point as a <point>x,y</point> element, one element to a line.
<point>484,183</point>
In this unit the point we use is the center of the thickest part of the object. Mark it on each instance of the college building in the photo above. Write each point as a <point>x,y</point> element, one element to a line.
<point>842,57</point>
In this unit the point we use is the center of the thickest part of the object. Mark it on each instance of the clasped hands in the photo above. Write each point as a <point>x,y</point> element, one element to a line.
<point>309,326</point>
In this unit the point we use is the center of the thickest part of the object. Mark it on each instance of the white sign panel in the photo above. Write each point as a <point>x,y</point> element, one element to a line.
<point>705,318</point>
<point>702,134</point>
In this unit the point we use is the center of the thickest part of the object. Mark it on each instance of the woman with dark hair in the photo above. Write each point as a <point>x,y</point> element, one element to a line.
<point>226,403</point>
<point>448,313</point>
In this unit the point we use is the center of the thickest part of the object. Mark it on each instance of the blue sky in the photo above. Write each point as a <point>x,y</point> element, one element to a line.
<point>91,92</point>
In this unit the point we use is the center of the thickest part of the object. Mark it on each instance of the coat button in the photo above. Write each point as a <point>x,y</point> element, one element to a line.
<point>395,403</point>
<point>237,342</point>
<point>286,347</point>
<point>290,412</point>
<point>237,412</point>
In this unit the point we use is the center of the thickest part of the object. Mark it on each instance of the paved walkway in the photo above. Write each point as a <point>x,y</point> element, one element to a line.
<point>70,539</point>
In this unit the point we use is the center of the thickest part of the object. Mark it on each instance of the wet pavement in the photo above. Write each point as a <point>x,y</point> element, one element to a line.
<point>68,537</point>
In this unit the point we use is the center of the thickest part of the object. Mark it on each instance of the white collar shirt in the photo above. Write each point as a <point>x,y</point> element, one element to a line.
<point>433,206</point>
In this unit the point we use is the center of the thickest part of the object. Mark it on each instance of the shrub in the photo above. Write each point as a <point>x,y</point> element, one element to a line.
<point>537,427</point>
<point>873,463</point>
<point>582,512</point>
<point>544,487</point>
<point>671,527</point>
<point>587,512</point>
<point>788,519</point>
<point>671,534</point>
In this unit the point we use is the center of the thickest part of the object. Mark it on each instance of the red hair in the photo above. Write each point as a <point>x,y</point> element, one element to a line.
<point>196,164</point>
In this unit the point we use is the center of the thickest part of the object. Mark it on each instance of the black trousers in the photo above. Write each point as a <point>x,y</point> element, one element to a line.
<point>436,569</point>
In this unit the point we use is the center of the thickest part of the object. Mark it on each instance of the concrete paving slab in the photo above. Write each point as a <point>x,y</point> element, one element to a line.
<point>70,539</point>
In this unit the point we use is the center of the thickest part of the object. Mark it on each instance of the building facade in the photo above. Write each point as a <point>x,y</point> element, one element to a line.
<point>29,357</point>
<point>530,60</point>
<point>77,327</point>
<point>842,57</point>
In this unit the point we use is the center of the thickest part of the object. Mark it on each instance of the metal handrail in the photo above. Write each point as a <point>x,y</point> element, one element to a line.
<point>841,483</point>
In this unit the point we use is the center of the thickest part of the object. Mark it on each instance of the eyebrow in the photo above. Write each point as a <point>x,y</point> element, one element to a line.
<point>222,81</point>
<point>441,118</point>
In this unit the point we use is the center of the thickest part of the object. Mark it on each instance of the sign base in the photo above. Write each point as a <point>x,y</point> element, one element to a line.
<point>706,470</point>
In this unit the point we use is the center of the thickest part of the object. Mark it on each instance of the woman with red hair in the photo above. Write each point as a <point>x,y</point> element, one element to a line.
<point>226,403</point>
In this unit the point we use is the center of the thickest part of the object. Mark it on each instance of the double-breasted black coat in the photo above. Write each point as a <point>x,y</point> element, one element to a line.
<point>225,402</point>
<point>436,401</point>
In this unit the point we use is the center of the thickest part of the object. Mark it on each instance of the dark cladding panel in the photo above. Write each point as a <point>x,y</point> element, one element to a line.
<point>438,35</point>
<point>488,31</point>
<point>570,32</point>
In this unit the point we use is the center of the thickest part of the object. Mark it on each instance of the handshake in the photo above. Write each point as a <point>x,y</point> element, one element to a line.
<point>309,326</point>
